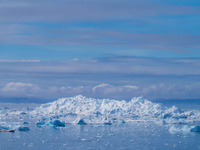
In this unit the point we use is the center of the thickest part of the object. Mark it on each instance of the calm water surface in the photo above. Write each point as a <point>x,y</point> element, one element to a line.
<point>135,135</point>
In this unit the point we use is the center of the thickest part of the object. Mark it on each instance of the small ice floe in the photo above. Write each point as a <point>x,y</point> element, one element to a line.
<point>195,129</point>
<point>6,129</point>
<point>185,129</point>
<point>25,122</point>
<point>122,121</point>
<point>55,123</point>
<point>108,123</point>
<point>40,123</point>
<point>81,122</point>
<point>83,139</point>
<point>58,123</point>
<point>9,127</point>
<point>23,128</point>
<point>23,113</point>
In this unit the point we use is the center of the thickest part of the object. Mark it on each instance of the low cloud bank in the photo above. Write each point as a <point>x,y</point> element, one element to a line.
<point>113,77</point>
<point>101,91</point>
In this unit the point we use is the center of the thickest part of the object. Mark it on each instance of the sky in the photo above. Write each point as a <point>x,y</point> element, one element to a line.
<point>115,49</point>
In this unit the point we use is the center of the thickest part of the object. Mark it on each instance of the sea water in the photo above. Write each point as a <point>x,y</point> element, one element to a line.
<point>136,132</point>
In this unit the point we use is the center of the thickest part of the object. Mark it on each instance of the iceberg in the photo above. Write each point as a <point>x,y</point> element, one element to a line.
<point>58,123</point>
<point>108,123</point>
<point>80,110</point>
<point>98,109</point>
<point>195,129</point>
<point>25,122</point>
<point>40,124</point>
<point>9,126</point>
<point>81,122</point>
<point>23,129</point>
<point>184,129</point>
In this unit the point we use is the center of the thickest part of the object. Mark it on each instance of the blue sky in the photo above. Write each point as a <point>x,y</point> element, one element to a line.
<point>114,49</point>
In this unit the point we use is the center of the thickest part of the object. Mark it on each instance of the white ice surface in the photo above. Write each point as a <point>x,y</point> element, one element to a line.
<point>72,110</point>
<point>95,111</point>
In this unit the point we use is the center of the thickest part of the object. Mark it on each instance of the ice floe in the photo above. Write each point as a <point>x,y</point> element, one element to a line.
<point>184,129</point>
<point>23,128</point>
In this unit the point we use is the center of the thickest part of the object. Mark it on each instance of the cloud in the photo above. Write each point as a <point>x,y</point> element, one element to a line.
<point>73,10</point>
<point>20,89</point>
<point>134,87</point>
<point>103,85</point>
<point>104,90</point>
<point>152,91</point>
<point>172,91</point>
<point>19,60</point>
<point>109,65</point>
<point>108,77</point>
<point>107,89</point>
<point>110,88</point>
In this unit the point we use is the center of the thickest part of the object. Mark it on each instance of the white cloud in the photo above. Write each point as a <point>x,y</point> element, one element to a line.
<point>104,90</point>
<point>73,90</point>
<point>134,87</point>
<point>103,85</point>
<point>16,86</point>
<point>20,89</point>
<point>107,89</point>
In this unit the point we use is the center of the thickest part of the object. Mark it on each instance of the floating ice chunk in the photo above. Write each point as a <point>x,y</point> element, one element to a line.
<point>174,129</point>
<point>108,123</point>
<point>122,121</point>
<point>9,126</point>
<point>4,128</point>
<point>41,123</point>
<point>23,129</point>
<point>58,123</point>
<point>23,113</point>
<point>185,129</point>
<point>195,129</point>
<point>81,122</point>
<point>25,122</point>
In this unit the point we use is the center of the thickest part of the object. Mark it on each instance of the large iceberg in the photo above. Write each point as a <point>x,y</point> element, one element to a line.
<point>104,111</point>
<point>80,110</point>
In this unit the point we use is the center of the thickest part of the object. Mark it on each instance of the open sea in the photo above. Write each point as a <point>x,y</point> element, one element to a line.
<point>135,135</point>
